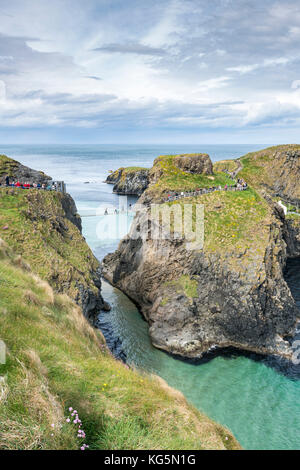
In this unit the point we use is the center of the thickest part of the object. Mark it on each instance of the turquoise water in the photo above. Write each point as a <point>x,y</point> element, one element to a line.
<point>257,403</point>
<point>257,399</point>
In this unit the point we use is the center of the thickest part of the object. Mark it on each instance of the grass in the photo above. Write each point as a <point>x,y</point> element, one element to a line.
<point>233,221</point>
<point>186,285</point>
<point>37,227</point>
<point>172,178</point>
<point>56,360</point>
<point>127,171</point>
<point>230,165</point>
<point>7,166</point>
<point>269,170</point>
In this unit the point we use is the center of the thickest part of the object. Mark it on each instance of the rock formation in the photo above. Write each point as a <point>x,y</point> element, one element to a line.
<point>229,293</point>
<point>129,181</point>
<point>196,163</point>
<point>46,231</point>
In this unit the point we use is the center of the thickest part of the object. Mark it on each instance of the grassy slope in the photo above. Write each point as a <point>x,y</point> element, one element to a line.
<point>231,218</point>
<point>172,178</point>
<point>56,360</point>
<point>235,222</point>
<point>7,165</point>
<point>263,171</point>
<point>38,229</point>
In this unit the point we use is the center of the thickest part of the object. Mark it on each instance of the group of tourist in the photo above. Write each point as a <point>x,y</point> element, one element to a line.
<point>50,186</point>
<point>241,185</point>
<point>120,211</point>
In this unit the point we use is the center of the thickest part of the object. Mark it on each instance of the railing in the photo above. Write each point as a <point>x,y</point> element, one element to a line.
<point>204,191</point>
<point>58,186</point>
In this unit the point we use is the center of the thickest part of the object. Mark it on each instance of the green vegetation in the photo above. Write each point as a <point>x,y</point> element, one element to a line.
<point>232,220</point>
<point>133,169</point>
<point>37,228</point>
<point>7,166</point>
<point>126,171</point>
<point>263,169</point>
<point>187,285</point>
<point>171,178</point>
<point>55,360</point>
<point>230,165</point>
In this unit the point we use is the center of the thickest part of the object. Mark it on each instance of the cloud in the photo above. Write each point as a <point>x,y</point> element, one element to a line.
<point>174,64</point>
<point>92,77</point>
<point>242,69</point>
<point>131,48</point>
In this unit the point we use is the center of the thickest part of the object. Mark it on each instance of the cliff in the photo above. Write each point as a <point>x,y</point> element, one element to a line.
<point>56,362</point>
<point>129,181</point>
<point>231,292</point>
<point>274,170</point>
<point>44,227</point>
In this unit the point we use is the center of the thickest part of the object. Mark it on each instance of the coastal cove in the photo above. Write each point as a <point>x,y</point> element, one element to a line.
<point>256,401</point>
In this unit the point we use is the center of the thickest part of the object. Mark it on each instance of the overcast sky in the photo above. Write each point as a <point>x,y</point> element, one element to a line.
<point>161,71</point>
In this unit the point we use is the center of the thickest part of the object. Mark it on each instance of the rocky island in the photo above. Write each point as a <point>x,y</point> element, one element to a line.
<point>232,292</point>
<point>131,181</point>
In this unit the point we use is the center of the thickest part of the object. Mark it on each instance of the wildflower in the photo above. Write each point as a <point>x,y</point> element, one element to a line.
<point>52,425</point>
<point>70,409</point>
<point>82,448</point>
<point>68,420</point>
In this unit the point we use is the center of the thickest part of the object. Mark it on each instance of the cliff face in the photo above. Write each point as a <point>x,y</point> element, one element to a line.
<point>44,228</point>
<point>230,293</point>
<point>129,181</point>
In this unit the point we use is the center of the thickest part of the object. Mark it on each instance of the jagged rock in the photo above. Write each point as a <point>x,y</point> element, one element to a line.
<point>129,181</point>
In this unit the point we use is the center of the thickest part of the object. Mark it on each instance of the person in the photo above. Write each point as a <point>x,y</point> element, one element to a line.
<point>106,212</point>
<point>18,184</point>
<point>7,180</point>
<point>226,187</point>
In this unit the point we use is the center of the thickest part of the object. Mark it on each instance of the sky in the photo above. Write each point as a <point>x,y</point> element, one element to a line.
<point>151,71</point>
